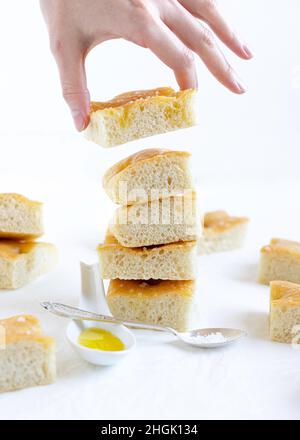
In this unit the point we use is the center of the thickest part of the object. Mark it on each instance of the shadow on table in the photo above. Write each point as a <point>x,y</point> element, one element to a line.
<point>256,323</point>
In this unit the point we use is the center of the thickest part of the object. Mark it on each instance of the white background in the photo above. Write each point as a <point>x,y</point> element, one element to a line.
<point>245,159</point>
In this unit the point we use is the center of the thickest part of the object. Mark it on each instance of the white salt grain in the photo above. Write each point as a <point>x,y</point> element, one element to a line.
<point>211,338</point>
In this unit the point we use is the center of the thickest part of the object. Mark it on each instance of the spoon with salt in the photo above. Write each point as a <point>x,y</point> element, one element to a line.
<point>202,338</point>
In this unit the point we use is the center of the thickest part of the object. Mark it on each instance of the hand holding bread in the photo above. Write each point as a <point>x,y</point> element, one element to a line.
<point>170,29</point>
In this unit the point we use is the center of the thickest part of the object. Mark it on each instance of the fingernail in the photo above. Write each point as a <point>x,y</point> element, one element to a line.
<point>195,83</point>
<point>248,52</point>
<point>79,120</point>
<point>240,84</point>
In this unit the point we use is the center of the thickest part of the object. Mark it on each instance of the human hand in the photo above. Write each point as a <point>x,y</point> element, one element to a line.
<point>169,28</point>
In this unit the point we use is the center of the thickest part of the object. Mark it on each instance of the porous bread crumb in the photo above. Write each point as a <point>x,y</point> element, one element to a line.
<point>20,218</point>
<point>158,222</point>
<point>21,263</point>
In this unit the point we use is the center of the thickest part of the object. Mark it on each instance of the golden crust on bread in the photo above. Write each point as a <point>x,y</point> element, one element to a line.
<point>111,241</point>
<point>18,236</point>
<point>24,327</point>
<point>219,221</point>
<point>281,246</point>
<point>153,288</point>
<point>13,249</point>
<point>284,293</point>
<point>19,198</point>
<point>140,156</point>
<point>128,98</point>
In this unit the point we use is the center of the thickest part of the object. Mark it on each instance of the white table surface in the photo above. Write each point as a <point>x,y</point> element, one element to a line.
<point>255,378</point>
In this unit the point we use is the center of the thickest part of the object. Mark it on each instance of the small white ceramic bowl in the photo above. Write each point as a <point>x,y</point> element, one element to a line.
<point>101,357</point>
<point>93,300</point>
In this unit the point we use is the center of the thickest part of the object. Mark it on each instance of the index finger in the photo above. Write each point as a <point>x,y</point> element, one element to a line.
<point>172,52</point>
<point>207,11</point>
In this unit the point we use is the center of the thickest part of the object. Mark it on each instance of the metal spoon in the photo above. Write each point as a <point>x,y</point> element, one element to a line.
<point>203,338</point>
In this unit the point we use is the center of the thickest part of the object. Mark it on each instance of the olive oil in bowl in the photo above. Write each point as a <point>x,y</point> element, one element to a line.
<point>100,339</point>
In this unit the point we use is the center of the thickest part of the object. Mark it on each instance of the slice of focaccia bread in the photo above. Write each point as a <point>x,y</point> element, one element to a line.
<point>280,260</point>
<point>20,218</point>
<point>139,114</point>
<point>22,262</point>
<point>166,303</point>
<point>285,312</point>
<point>163,221</point>
<point>175,261</point>
<point>148,175</point>
<point>222,232</point>
<point>27,357</point>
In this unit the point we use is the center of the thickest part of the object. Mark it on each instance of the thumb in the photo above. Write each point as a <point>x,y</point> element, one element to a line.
<point>73,82</point>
